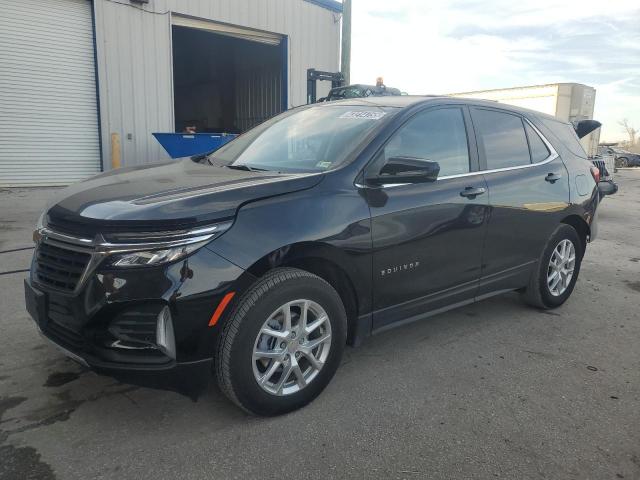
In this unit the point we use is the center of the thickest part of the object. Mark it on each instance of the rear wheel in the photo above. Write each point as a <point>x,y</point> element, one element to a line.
<point>282,344</point>
<point>556,273</point>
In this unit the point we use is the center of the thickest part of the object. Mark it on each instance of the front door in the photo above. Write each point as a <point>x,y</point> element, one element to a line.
<point>427,237</point>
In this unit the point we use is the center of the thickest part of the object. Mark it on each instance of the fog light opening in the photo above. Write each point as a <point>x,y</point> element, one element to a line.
<point>164,334</point>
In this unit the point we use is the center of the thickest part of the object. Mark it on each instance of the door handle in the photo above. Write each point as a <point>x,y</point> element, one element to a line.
<point>552,177</point>
<point>472,192</point>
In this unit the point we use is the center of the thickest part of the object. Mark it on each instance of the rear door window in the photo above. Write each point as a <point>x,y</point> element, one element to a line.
<point>502,137</point>
<point>539,150</point>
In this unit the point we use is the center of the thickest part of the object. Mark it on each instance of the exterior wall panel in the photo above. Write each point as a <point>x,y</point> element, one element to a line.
<point>135,60</point>
<point>135,79</point>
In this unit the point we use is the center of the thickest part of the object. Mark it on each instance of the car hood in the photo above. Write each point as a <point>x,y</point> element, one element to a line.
<point>167,196</point>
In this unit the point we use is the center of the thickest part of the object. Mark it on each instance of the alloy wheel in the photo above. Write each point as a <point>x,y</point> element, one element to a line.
<point>291,347</point>
<point>561,266</point>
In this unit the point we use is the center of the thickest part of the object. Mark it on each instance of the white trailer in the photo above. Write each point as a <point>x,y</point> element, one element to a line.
<point>566,101</point>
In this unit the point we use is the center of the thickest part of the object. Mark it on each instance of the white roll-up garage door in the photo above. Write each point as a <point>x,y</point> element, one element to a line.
<point>48,105</point>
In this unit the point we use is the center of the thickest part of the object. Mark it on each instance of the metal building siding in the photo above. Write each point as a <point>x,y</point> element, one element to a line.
<point>259,95</point>
<point>135,80</point>
<point>135,67</point>
<point>48,117</point>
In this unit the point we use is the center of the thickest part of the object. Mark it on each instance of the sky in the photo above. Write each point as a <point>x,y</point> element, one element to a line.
<point>435,47</point>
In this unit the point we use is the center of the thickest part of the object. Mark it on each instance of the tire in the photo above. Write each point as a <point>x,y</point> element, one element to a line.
<point>623,162</point>
<point>539,293</point>
<point>260,309</point>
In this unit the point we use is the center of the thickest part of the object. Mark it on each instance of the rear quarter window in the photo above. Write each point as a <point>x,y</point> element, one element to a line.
<point>565,133</point>
<point>539,151</point>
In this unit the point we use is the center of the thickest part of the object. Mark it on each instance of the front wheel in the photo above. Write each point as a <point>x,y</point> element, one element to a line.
<point>556,273</point>
<point>282,344</point>
<point>623,162</point>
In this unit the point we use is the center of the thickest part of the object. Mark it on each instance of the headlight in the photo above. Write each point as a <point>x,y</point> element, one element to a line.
<point>147,250</point>
<point>153,257</point>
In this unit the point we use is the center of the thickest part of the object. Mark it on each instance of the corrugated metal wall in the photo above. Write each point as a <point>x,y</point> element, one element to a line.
<point>259,90</point>
<point>134,59</point>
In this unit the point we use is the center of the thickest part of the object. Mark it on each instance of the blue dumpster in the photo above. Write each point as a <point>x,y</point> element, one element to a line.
<point>180,145</point>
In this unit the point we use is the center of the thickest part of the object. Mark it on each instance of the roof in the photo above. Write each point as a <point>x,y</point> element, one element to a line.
<point>402,101</point>
<point>399,101</point>
<point>328,4</point>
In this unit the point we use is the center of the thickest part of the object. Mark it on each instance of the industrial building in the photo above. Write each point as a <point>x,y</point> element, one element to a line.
<point>570,102</point>
<point>84,83</point>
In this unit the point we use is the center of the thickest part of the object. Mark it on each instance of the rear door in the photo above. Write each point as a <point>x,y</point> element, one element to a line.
<point>529,195</point>
<point>428,237</point>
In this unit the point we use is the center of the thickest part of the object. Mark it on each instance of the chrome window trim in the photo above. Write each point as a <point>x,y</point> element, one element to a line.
<point>552,156</point>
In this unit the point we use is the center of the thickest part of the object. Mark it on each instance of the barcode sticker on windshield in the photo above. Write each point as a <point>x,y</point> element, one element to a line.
<point>363,114</point>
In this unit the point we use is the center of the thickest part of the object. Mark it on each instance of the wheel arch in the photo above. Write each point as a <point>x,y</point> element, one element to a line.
<point>581,226</point>
<point>329,263</point>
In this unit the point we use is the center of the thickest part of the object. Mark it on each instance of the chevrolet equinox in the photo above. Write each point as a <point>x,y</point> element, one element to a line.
<point>313,230</point>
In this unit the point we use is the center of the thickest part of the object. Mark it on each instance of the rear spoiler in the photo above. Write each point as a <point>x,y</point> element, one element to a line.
<point>585,127</point>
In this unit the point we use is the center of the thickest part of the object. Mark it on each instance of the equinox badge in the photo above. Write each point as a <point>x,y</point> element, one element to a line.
<point>399,268</point>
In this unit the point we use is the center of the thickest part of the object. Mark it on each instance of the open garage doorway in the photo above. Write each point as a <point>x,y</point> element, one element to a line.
<point>226,79</point>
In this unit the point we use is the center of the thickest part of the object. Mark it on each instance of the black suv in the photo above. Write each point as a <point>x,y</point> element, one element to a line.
<point>319,227</point>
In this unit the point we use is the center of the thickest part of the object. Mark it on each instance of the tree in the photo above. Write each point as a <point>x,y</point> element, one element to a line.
<point>632,132</point>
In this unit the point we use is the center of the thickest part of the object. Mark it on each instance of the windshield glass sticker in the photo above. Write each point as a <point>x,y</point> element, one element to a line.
<point>363,114</point>
<point>323,164</point>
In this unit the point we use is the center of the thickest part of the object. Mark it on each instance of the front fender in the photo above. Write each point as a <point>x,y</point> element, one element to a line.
<point>334,225</point>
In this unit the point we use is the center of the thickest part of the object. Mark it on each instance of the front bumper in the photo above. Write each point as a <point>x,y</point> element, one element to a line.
<point>110,322</point>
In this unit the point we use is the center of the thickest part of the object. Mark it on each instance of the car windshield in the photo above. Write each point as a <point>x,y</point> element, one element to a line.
<point>306,140</point>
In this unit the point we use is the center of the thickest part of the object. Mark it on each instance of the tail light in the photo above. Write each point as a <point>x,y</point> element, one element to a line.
<point>595,173</point>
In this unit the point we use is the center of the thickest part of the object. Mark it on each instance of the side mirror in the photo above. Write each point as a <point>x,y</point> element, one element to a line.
<point>406,170</point>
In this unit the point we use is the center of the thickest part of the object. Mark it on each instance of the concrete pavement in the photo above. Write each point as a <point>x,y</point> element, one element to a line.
<point>492,390</point>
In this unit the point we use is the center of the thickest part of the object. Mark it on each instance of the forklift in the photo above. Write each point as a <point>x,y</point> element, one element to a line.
<point>340,91</point>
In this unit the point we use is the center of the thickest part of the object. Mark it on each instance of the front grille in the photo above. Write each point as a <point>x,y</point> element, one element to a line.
<point>60,268</point>
<point>137,326</point>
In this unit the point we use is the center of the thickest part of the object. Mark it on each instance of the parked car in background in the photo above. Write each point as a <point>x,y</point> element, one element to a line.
<point>359,91</point>
<point>623,158</point>
<point>605,165</point>
<point>317,228</point>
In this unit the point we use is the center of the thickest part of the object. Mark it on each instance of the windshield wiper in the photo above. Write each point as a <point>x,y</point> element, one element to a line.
<point>246,168</point>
